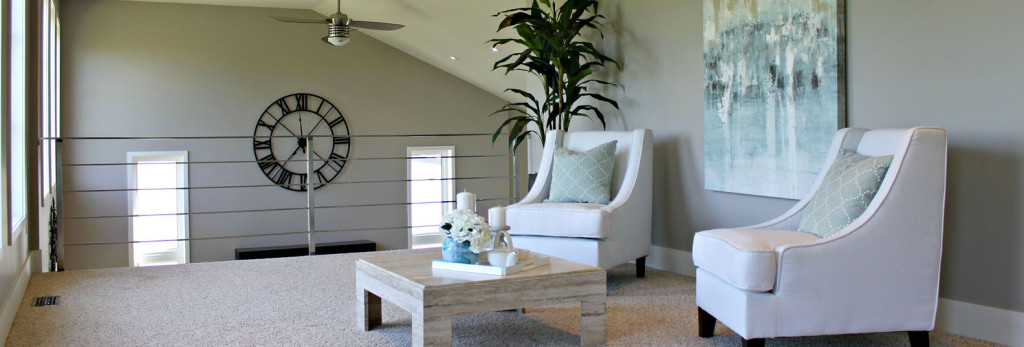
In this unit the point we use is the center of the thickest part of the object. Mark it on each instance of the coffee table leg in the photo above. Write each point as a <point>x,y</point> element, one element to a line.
<point>592,321</point>
<point>431,331</point>
<point>368,309</point>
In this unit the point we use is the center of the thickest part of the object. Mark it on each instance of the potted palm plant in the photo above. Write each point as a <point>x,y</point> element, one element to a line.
<point>556,54</point>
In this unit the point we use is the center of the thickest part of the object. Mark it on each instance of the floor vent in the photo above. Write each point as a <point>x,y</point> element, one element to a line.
<point>46,301</point>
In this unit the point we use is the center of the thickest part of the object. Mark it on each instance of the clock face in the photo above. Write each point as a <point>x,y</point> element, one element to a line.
<point>293,127</point>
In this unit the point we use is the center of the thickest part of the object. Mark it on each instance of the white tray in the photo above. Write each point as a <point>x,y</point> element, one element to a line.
<point>487,269</point>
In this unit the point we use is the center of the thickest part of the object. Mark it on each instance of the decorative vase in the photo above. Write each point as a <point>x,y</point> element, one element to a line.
<point>457,252</point>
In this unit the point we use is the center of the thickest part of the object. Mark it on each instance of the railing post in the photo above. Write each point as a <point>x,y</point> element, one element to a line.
<point>58,160</point>
<point>515,177</point>
<point>310,201</point>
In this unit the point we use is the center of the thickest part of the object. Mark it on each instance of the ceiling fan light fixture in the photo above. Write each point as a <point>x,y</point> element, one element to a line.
<point>337,35</point>
<point>335,41</point>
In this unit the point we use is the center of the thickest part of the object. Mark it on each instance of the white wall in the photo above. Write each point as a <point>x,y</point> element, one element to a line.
<point>949,63</point>
<point>148,69</point>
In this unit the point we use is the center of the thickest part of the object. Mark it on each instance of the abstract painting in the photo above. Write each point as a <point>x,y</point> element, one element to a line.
<point>774,93</point>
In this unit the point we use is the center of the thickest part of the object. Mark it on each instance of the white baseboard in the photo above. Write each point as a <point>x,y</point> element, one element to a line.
<point>954,317</point>
<point>981,322</point>
<point>672,260</point>
<point>13,300</point>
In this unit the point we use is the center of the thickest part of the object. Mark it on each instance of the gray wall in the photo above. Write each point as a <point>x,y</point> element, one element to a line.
<point>949,63</point>
<point>146,69</point>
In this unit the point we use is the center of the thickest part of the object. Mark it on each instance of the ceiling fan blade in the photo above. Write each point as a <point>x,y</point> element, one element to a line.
<point>375,25</point>
<point>299,20</point>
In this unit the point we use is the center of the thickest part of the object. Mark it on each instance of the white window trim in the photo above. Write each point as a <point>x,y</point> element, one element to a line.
<point>448,187</point>
<point>183,198</point>
<point>17,224</point>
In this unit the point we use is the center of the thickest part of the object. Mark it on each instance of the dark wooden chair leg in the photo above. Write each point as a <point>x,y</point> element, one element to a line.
<point>918,338</point>
<point>641,267</point>
<point>705,323</point>
<point>753,343</point>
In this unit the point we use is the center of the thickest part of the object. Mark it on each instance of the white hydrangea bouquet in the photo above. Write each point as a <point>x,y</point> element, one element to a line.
<point>465,225</point>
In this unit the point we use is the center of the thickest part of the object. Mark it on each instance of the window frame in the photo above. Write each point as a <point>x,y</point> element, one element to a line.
<point>5,122</point>
<point>447,154</point>
<point>50,100</point>
<point>184,230</point>
<point>16,185</point>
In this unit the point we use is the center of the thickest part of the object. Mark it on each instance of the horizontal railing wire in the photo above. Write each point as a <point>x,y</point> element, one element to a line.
<point>285,161</point>
<point>249,137</point>
<point>207,238</point>
<point>284,185</point>
<point>304,208</point>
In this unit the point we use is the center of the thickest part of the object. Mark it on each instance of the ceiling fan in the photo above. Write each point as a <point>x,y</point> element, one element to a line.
<point>339,24</point>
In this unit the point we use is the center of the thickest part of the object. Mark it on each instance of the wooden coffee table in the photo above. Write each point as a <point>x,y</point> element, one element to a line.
<point>433,297</point>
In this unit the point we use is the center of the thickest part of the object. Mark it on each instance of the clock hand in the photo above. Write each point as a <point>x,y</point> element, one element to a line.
<point>277,121</point>
<point>290,156</point>
<point>286,129</point>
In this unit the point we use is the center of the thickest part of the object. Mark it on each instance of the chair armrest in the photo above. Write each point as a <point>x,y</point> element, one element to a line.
<point>640,170</point>
<point>542,186</point>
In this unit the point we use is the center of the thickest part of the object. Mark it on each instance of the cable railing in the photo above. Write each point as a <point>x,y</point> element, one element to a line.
<point>81,198</point>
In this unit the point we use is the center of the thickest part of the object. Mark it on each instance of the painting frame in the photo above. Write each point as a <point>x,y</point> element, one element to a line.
<point>774,93</point>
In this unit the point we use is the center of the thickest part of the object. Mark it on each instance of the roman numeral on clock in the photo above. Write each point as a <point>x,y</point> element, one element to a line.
<point>301,102</point>
<point>336,121</point>
<point>336,162</point>
<point>267,162</point>
<point>257,144</point>
<point>283,177</point>
<point>261,123</point>
<point>283,105</point>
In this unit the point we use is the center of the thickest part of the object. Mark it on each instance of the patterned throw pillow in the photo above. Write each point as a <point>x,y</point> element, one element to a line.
<point>583,177</point>
<point>845,193</point>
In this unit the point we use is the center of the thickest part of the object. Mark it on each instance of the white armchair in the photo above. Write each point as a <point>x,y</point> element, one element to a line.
<point>880,273</point>
<point>594,234</point>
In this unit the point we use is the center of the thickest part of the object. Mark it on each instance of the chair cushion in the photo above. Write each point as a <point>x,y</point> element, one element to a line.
<point>559,219</point>
<point>845,192</point>
<point>583,177</point>
<point>745,258</point>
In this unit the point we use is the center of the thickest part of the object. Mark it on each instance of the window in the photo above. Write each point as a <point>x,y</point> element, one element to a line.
<point>50,99</point>
<point>18,183</point>
<point>431,189</point>
<point>160,205</point>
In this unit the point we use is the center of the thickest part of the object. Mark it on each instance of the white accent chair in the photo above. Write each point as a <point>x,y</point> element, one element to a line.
<point>594,234</point>
<point>878,274</point>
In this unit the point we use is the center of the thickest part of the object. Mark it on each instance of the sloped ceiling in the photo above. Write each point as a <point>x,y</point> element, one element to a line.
<point>435,31</point>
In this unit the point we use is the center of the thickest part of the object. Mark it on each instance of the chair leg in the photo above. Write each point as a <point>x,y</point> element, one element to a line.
<point>753,343</point>
<point>705,323</point>
<point>641,267</point>
<point>918,338</point>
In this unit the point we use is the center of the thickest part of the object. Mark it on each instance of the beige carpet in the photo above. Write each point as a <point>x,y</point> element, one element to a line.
<point>309,301</point>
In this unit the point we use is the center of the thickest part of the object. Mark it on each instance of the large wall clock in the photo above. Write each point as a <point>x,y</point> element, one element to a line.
<point>282,140</point>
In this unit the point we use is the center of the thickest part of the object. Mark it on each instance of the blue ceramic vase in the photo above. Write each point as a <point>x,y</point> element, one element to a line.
<point>458,252</point>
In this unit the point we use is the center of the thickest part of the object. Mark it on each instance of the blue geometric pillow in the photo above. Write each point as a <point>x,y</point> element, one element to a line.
<point>845,192</point>
<point>583,177</point>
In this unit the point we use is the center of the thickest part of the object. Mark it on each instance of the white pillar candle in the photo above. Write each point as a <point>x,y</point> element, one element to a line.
<point>465,201</point>
<point>496,217</point>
